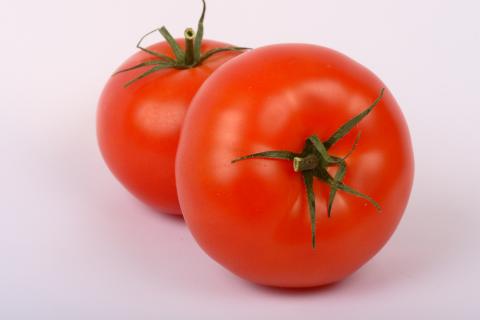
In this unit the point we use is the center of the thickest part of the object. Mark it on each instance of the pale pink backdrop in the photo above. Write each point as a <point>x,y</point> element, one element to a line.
<point>75,245</point>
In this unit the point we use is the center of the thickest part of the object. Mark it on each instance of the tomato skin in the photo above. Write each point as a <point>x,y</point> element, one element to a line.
<point>138,127</point>
<point>252,216</point>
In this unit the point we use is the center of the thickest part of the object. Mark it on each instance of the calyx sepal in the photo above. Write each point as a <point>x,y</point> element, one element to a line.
<point>314,160</point>
<point>190,57</point>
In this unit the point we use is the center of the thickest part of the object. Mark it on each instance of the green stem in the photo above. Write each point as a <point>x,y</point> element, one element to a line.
<point>189,47</point>
<point>189,58</point>
<point>307,163</point>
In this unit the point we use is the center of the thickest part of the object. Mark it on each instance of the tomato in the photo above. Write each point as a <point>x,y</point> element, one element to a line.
<point>138,126</point>
<point>265,220</point>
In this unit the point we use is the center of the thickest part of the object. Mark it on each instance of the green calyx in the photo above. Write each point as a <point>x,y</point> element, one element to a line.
<point>314,160</point>
<point>187,58</point>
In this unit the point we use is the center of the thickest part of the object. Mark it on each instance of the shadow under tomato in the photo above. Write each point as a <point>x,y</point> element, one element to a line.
<point>325,289</point>
<point>172,218</point>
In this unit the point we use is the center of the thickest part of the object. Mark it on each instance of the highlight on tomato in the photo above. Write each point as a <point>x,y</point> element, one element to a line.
<point>142,107</point>
<point>294,165</point>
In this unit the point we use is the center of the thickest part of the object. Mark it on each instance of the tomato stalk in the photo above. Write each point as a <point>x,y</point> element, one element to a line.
<point>191,57</point>
<point>314,161</point>
<point>189,46</point>
<point>306,163</point>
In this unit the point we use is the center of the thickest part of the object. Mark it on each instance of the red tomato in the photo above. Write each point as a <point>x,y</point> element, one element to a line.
<point>253,216</point>
<point>138,127</point>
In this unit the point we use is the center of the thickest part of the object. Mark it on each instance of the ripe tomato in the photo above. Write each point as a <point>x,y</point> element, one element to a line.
<point>138,126</point>
<point>257,217</point>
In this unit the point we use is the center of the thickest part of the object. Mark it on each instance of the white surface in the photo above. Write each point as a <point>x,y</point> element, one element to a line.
<point>75,245</point>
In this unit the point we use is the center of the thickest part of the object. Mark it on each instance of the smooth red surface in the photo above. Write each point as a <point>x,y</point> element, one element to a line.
<point>138,127</point>
<point>252,216</point>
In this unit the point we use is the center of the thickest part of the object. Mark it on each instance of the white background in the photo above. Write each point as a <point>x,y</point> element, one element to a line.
<point>75,245</point>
